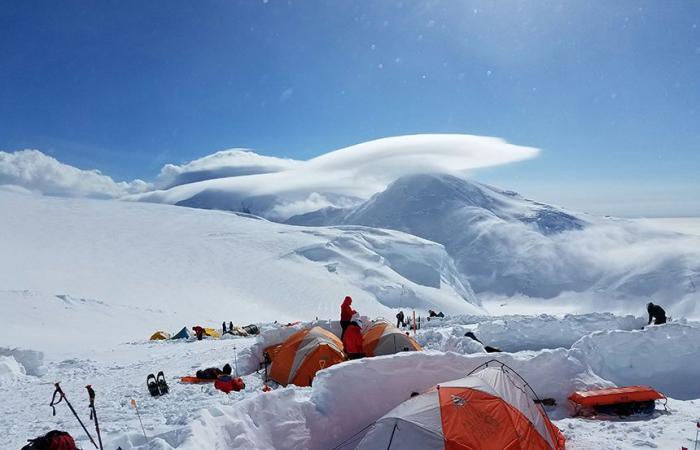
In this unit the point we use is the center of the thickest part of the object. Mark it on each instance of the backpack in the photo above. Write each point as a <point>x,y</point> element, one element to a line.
<point>53,440</point>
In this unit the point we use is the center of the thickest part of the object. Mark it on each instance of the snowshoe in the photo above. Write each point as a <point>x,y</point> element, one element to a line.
<point>152,385</point>
<point>162,385</point>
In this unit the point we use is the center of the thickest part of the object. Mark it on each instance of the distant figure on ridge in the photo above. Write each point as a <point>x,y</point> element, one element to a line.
<point>656,313</point>
<point>224,327</point>
<point>346,313</point>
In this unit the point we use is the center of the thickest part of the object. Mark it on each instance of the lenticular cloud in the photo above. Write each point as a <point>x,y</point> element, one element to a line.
<point>226,163</point>
<point>355,172</point>
<point>239,179</point>
<point>365,168</point>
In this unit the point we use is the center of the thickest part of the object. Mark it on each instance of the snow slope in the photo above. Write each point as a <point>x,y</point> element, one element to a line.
<point>508,245</point>
<point>118,270</point>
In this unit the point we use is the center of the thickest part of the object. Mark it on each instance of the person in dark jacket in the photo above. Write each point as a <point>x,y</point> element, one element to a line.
<point>223,325</point>
<point>656,313</point>
<point>213,372</point>
<point>346,313</point>
<point>399,320</point>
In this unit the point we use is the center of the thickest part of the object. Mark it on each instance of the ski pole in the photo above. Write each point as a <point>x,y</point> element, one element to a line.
<point>133,403</point>
<point>62,397</point>
<point>697,430</point>
<point>93,413</point>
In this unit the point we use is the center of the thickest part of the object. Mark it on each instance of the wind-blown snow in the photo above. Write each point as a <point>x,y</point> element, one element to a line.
<point>37,172</point>
<point>343,176</point>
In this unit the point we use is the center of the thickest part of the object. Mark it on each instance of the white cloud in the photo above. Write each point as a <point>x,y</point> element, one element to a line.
<point>37,172</point>
<point>226,163</point>
<point>357,171</point>
<point>269,185</point>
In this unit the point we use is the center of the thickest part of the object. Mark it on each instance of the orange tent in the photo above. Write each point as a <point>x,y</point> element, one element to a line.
<point>382,338</point>
<point>489,410</point>
<point>304,353</point>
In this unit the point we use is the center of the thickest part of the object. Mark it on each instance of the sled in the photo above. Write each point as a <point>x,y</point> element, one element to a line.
<point>622,401</point>
<point>195,380</point>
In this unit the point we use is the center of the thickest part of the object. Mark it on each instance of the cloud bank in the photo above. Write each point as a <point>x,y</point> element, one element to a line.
<point>239,179</point>
<point>34,171</point>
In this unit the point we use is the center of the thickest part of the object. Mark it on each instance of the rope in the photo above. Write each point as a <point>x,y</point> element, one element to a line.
<point>352,438</point>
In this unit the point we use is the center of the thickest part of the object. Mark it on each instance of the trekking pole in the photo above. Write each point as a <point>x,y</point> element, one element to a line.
<point>93,413</point>
<point>235,360</point>
<point>697,430</point>
<point>62,397</point>
<point>133,403</point>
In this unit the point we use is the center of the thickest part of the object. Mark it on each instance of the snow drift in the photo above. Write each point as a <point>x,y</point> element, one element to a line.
<point>514,333</point>
<point>665,357</point>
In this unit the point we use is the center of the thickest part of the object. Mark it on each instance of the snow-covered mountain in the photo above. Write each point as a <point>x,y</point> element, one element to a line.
<point>138,266</point>
<point>506,244</point>
<point>279,188</point>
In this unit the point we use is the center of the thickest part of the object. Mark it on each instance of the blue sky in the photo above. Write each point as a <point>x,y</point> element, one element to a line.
<point>610,91</point>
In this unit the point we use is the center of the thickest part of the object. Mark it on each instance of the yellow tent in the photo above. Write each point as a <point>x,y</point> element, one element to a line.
<point>160,335</point>
<point>212,333</point>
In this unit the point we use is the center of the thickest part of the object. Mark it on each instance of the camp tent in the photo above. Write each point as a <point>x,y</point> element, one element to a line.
<point>304,353</point>
<point>185,333</point>
<point>160,335</point>
<point>212,333</point>
<point>489,410</point>
<point>383,338</point>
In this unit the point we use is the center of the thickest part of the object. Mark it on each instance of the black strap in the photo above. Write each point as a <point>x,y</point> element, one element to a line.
<point>53,403</point>
<point>91,394</point>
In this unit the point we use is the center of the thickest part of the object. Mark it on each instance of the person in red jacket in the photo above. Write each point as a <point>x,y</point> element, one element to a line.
<point>346,313</point>
<point>352,340</point>
<point>199,332</point>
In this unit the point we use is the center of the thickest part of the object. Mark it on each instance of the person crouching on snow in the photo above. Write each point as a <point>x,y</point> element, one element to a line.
<point>656,313</point>
<point>346,313</point>
<point>352,339</point>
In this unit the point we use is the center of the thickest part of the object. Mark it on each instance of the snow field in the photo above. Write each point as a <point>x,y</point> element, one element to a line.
<point>111,270</point>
